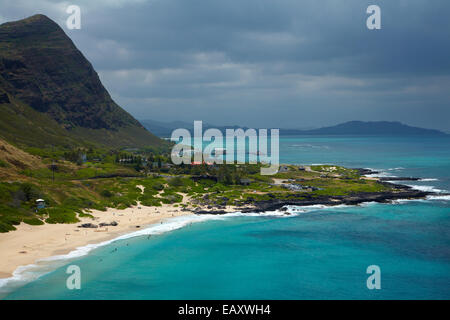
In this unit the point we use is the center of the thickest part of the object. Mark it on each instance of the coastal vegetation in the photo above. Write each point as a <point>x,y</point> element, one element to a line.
<point>73,181</point>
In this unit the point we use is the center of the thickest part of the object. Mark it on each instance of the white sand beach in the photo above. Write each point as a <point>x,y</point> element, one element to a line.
<point>29,243</point>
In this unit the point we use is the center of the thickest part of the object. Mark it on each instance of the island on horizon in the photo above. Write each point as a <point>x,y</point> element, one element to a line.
<point>354,128</point>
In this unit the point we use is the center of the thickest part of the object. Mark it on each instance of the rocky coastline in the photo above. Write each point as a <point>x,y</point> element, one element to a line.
<point>398,192</point>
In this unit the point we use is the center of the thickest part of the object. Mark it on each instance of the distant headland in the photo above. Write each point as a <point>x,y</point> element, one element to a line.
<point>375,128</point>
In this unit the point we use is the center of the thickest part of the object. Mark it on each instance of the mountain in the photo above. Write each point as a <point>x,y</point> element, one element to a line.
<point>365,128</point>
<point>13,161</point>
<point>164,129</point>
<point>51,94</point>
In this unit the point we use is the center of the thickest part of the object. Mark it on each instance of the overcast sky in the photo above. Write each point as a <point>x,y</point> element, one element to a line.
<point>265,63</point>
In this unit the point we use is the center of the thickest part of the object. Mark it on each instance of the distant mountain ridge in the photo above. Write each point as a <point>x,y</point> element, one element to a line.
<point>49,89</point>
<point>164,129</point>
<point>366,128</point>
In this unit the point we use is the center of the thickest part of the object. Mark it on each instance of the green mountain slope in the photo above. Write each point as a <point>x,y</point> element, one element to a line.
<point>50,93</point>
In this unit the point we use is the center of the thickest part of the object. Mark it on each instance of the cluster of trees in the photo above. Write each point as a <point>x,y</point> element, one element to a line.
<point>25,192</point>
<point>80,155</point>
<point>140,161</point>
<point>150,160</point>
<point>129,158</point>
<point>224,173</point>
<point>75,156</point>
<point>229,175</point>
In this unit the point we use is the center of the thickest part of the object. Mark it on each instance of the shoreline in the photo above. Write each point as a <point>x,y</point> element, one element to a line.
<point>28,245</point>
<point>56,259</point>
<point>400,192</point>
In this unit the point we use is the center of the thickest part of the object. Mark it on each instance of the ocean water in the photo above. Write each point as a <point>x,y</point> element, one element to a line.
<point>319,253</point>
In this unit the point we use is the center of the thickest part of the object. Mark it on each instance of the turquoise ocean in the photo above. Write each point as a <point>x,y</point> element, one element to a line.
<point>319,253</point>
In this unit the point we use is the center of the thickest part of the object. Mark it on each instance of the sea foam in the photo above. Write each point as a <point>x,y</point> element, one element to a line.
<point>425,188</point>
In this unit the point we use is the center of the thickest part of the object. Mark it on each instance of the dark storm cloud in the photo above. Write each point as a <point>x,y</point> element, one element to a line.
<point>266,62</point>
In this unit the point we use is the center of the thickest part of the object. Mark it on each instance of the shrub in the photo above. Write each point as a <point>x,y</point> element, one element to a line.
<point>33,221</point>
<point>85,215</point>
<point>61,215</point>
<point>106,194</point>
<point>77,203</point>
<point>3,164</point>
<point>172,198</point>
<point>151,202</point>
<point>31,191</point>
<point>12,220</point>
<point>158,186</point>
<point>176,182</point>
<point>5,227</point>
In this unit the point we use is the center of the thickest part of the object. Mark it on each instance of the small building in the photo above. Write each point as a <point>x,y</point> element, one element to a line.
<point>283,169</point>
<point>40,204</point>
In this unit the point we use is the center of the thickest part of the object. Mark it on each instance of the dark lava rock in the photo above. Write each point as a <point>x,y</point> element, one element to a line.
<point>402,192</point>
<point>113,224</point>
<point>364,171</point>
<point>88,225</point>
<point>211,212</point>
<point>398,179</point>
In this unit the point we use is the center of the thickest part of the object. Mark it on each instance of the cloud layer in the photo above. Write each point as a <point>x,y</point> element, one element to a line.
<point>271,63</point>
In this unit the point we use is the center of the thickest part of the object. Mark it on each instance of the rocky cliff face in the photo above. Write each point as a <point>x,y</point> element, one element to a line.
<point>41,67</point>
